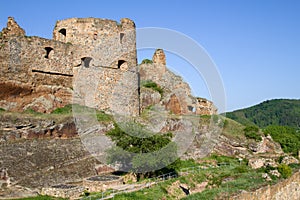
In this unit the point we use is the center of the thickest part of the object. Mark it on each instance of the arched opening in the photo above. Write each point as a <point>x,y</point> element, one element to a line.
<point>95,36</point>
<point>192,109</point>
<point>121,37</point>
<point>85,61</point>
<point>63,31</point>
<point>48,50</point>
<point>62,35</point>
<point>122,64</point>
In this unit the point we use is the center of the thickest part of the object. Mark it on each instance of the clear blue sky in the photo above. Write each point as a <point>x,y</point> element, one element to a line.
<point>255,44</point>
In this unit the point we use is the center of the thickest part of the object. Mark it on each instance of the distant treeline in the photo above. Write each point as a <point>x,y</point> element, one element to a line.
<point>283,112</point>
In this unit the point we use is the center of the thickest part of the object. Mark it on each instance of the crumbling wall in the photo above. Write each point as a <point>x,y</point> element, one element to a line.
<point>288,189</point>
<point>90,53</point>
<point>36,61</point>
<point>12,29</point>
<point>108,43</point>
<point>205,107</point>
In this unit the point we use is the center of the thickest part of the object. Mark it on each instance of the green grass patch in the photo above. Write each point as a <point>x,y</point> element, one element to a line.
<point>31,112</point>
<point>78,109</point>
<point>64,110</point>
<point>41,197</point>
<point>153,85</point>
<point>223,180</point>
<point>103,117</point>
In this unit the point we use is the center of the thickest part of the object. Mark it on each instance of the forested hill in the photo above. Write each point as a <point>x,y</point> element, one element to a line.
<point>283,112</point>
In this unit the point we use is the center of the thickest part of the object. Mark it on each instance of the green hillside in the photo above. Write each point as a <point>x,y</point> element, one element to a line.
<point>283,112</point>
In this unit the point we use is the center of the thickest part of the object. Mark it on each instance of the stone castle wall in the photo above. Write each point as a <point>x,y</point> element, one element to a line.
<point>105,41</point>
<point>288,189</point>
<point>89,54</point>
<point>93,60</point>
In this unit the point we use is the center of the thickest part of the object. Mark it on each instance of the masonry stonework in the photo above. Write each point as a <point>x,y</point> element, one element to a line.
<point>86,57</point>
<point>91,62</point>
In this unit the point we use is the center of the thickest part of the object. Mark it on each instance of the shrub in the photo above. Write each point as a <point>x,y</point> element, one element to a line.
<point>251,129</point>
<point>139,149</point>
<point>285,170</point>
<point>154,86</point>
<point>2,109</point>
<point>253,135</point>
<point>147,61</point>
<point>251,132</point>
<point>287,137</point>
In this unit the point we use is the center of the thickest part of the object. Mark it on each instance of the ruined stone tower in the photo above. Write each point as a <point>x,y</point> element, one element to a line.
<point>103,42</point>
<point>93,59</point>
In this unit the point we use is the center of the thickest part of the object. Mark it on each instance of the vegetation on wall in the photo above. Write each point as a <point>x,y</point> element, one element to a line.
<point>153,85</point>
<point>147,61</point>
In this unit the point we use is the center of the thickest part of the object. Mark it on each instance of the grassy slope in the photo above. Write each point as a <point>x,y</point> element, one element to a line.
<point>224,181</point>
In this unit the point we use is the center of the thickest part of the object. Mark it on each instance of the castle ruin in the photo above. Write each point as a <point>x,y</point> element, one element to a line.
<point>89,61</point>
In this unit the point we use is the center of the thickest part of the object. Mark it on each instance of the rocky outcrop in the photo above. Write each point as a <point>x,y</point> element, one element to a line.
<point>46,162</point>
<point>16,96</point>
<point>290,160</point>
<point>159,57</point>
<point>149,97</point>
<point>267,145</point>
<point>174,105</point>
<point>177,96</point>
<point>176,190</point>
<point>35,128</point>
<point>231,147</point>
<point>259,162</point>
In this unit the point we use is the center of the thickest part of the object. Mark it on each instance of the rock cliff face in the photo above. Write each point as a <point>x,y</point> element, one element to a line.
<point>15,128</point>
<point>39,151</point>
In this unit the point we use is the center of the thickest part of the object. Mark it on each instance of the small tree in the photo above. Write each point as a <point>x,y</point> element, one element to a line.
<point>285,170</point>
<point>140,151</point>
<point>251,132</point>
<point>287,137</point>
